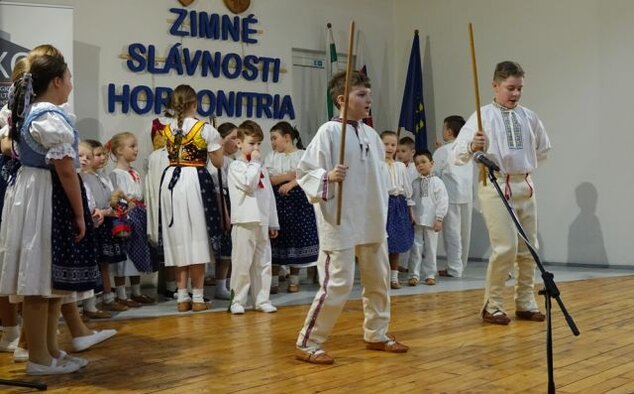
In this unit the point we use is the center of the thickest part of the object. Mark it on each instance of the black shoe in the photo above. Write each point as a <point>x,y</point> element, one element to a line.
<point>170,295</point>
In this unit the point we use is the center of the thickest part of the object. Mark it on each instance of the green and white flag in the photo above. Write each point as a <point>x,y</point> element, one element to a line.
<point>331,68</point>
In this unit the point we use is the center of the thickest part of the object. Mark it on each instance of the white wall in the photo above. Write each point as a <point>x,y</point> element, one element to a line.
<point>577,55</point>
<point>104,29</point>
<point>578,61</point>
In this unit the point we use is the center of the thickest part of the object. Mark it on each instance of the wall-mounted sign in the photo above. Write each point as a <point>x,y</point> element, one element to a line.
<point>181,60</point>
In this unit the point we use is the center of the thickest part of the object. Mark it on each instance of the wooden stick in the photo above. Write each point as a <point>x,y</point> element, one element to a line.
<point>344,118</point>
<point>476,85</point>
<point>213,120</point>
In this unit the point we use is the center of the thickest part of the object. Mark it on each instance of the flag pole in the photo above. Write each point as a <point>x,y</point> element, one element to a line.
<point>474,66</point>
<point>344,117</point>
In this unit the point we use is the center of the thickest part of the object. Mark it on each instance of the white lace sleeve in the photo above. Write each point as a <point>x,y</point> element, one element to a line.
<point>53,132</point>
<point>61,151</point>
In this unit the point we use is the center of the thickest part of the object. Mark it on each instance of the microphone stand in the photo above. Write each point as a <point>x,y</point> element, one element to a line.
<point>19,383</point>
<point>549,291</point>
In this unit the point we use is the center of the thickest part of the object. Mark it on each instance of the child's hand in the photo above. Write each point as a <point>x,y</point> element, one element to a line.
<point>437,225</point>
<point>286,188</point>
<point>80,228</point>
<point>255,155</point>
<point>479,141</point>
<point>338,174</point>
<point>412,219</point>
<point>273,233</point>
<point>97,217</point>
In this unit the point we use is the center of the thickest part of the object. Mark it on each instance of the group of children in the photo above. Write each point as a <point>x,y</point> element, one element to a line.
<point>211,196</point>
<point>427,194</point>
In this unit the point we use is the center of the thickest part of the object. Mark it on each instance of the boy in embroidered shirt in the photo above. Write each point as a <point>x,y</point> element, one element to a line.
<point>459,183</point>
<point>254,220</point>
<point>431,202</point>
<point>363,224</point>
<point>515,139</point>
<point>405,154</point>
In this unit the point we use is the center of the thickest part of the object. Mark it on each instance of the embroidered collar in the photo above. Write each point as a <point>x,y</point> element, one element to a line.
<point>501,107</point>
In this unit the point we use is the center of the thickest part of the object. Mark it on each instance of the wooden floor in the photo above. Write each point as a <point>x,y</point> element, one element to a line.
<point>451,350</point>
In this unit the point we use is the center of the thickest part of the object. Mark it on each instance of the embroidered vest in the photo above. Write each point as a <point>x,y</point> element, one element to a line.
<point>32,153</point>
<point>191,150</point>
<point>158,137</point>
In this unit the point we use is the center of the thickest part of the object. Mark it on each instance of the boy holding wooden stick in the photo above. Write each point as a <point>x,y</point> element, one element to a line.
<point>363,222</point>
<point>515,139</point>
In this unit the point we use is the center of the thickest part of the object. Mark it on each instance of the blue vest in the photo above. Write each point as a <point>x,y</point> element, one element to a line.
<point>31,152</point>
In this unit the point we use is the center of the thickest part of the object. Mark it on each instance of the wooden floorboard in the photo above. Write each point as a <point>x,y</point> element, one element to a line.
<point>451,350</point>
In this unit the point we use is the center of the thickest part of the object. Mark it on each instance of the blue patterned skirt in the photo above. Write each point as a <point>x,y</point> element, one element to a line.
<point>297,243</point>
<point>400,231</point>
<point>136,246</point>
<point>111,249</point>
<point>74,264</point>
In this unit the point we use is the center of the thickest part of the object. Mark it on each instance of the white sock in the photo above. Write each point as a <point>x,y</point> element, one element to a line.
<point>294,279</point>
<point>136,289</point>
<point>221,285</point>
<point>198,295</point>
<point>183,295</point>
<point>11,333</point>
<point>170,285</point>
<point>394,275</point>
<point>90,304</point>
<point>121,293</point>
<point>108,298</point>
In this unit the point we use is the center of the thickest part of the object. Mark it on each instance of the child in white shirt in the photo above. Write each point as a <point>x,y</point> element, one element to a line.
<point>254,220</point>
<point>431,203</point>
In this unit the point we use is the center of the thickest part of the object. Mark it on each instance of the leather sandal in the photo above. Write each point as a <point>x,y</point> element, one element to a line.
<point>318,356</point>
<point>497,317</point>
<point>530,315</point>
<point>390,346</point>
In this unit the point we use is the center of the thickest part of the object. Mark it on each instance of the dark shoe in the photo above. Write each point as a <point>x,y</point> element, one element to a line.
<point>98,314</point>
<point>497,317</point>
<point>130,303</point>
<point>274,290</point>
<point>445,274</point>
<point>319,357</point>
<point>390,346</point>
<point>143,299</point>
<point>395,285</point>
<point>530,315</point>
<point>114,306</point>
<point>169,294</point>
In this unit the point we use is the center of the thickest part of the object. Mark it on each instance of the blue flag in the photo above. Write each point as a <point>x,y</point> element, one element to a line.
<point>412,110</point>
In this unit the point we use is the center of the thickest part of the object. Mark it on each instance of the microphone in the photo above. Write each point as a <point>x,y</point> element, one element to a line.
<point>481,158</point>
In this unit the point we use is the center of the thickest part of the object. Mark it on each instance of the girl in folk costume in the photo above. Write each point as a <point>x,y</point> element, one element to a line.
<point>229,133</point>
<point>400,218</point>
<point>297,244</point>
<point>158,126</point>
<point>189,206</point>
<point>127,184</point>
<point>111,249</point>
<point>157,162</point>
<point>46,244</point>
<point>8,166</point>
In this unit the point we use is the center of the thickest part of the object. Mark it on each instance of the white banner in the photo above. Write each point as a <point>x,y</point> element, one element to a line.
<point>24,26</point>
